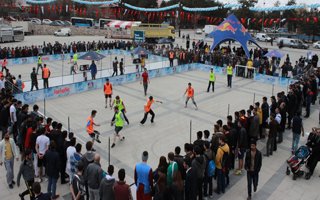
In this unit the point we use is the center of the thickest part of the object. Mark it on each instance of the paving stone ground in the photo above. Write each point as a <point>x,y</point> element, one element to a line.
<point>172,128</point>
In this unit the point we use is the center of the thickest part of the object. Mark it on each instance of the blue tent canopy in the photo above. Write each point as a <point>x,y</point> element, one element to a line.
<point>232,29</point>
<point>274,53</point>
<point>92,55</point>
<point>140,50</point>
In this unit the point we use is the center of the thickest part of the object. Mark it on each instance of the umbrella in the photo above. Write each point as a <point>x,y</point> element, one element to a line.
<point>274,53</point>
<point>92,55</point>
<point>140,50</point>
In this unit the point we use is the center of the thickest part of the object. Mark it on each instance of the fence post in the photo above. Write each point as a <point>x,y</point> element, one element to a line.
<point>68,124</point>
<point>254,98</point>
<point>44,107</point>
<point>62,68</point>
<point>190,131</point>
<point>272,89</point>
<point>109,151</point>
<point>228,109</point>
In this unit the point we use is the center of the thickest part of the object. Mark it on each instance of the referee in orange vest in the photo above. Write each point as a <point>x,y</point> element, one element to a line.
<point>147,110</point>
<point>171,58</point>
<point>190,95</point>
<point>107,88</point>
<point>45,76</point>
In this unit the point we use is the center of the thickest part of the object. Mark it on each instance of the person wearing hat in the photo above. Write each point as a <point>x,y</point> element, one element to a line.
<point>34,79</point>
<point>143,179</point>
<point>27,171</point>
<point>253,164</point>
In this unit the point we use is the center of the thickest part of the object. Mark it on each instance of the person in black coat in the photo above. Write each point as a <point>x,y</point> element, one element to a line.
<point>190,186</point>
<point>253,169</point>
<point>52,162</point>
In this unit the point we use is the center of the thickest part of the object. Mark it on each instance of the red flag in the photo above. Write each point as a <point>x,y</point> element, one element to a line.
<point>243,20</point>
<point>271,22</point>
<point>315,19</point>
<point>308,20</point>
<point>260,21</point>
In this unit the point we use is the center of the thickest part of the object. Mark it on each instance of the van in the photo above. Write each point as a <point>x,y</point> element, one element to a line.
<point>292,43</point>
<point>63,32</point>
<point>263,37</point>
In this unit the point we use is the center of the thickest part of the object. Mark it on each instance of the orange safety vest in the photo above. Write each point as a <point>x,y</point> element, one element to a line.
<point>4,63</point>
<point>107,88</point>
<point>171,55</point>
<point>45,72</point>
<point>190,92</point>
<point>90,129</point>
<point>147,107</point>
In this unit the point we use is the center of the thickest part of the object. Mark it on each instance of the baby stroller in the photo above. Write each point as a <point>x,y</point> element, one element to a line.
<point>297,161</point>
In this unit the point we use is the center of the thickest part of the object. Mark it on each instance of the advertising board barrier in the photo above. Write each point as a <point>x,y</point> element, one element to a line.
<point>68,89</point>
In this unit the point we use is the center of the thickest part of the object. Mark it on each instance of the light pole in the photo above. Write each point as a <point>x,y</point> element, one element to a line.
<point>264,3</point>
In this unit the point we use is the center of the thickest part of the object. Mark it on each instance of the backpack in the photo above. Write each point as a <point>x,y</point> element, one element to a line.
<point>225,161</point>
<point>211,168</point>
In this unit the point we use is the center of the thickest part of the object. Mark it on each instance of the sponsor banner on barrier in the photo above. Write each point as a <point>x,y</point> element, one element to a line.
<point>64,90</point>
<point>57,57</point>
<point>283,82</point>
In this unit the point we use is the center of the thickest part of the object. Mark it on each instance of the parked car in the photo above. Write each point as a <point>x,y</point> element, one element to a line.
<point>55,23</point>
<point>316,45</point>
<point>46,21</point>
<point>63,32</point>
<point>164,41</point>
<point>67,23</point>
<point>263,37</point>
<point>199,31</point>
<point>60,22</point>
<point>292,43</point>
<point>36,21</point>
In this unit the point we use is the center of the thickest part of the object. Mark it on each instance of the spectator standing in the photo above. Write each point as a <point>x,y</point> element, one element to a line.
<point>106,190</point>
<point>145,80</point>
<point>42,145</point>
<point>121,65</point>
<point>71,150</point>
<point>242,146</point>
<point>93,175</point>
<point>4,65</point>
<point>143,178</point>
<point>297,129</point>
<point>8,152</point>
<point>45,76</point>
<point>172,169</point>
<point>190,186</point>
<point>199,165</point>
<point>93,70</point>
<point>253,164</point>
<point>207,176</point>
<point>265,114</point>
<point>77,187</point>
<point>34,79</point>
<point>13,119</point>
<point>122,190</point>
<point>221,164</point>
<point>27,171</point>
<point>273,129</point>
<point>52,161</point>
<point>115,67</point>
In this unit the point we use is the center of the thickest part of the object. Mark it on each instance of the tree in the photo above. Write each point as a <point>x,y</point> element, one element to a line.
<point>292,25</point>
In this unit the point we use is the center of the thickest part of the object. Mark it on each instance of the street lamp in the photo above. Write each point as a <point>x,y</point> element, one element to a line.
<point>264,3</point>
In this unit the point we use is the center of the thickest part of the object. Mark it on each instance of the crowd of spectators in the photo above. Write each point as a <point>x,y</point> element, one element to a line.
<point>49,152</point>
